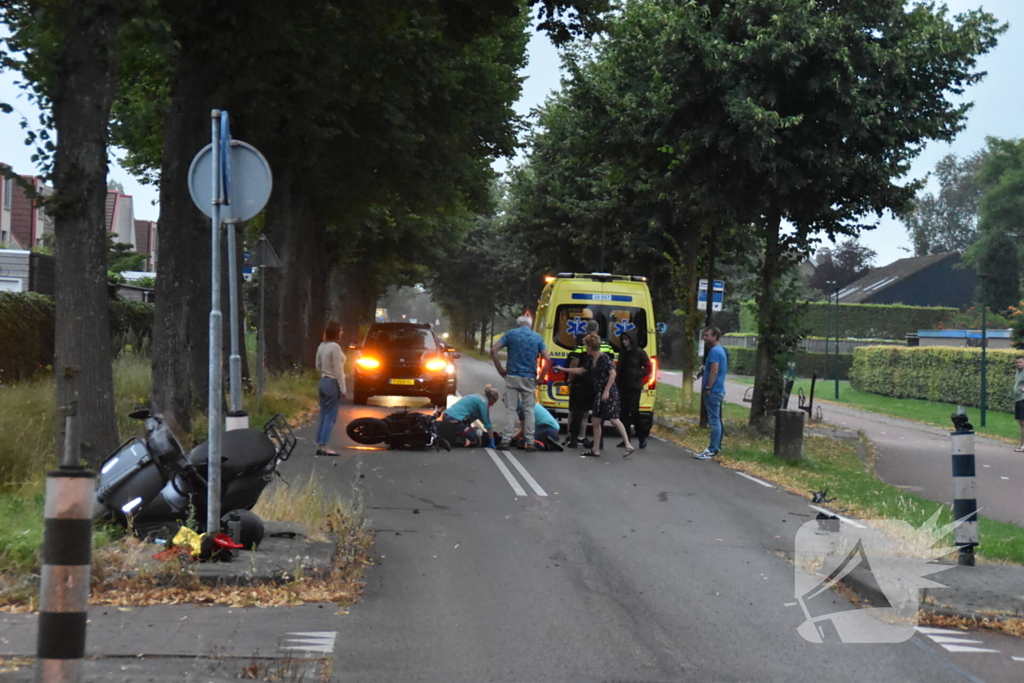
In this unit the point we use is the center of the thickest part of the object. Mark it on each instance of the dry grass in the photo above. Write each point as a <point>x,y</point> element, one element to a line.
<point>306,503</point>
<point>28,421</point>
<point>125,575</point>
<point>123,572</point>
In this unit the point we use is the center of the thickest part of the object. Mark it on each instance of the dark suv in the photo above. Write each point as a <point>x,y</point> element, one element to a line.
<point>402,359</point>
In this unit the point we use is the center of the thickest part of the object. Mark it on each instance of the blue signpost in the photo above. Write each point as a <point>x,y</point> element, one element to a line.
<point>230,182</point>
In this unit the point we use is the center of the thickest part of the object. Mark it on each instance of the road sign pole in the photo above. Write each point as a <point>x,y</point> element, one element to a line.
<point>235,363</point>
<point>215,421</point>
<point>235,170</point>
<point>260,351</point>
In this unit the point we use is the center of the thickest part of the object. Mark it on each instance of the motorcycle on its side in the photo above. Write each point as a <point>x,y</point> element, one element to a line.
<point>152,487</point>
<point>400,430</point>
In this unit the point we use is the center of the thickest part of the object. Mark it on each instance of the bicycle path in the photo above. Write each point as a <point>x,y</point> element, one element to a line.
<point>916,457</point>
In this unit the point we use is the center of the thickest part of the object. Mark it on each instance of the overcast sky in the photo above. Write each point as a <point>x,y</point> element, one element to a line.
<point>999,103</point>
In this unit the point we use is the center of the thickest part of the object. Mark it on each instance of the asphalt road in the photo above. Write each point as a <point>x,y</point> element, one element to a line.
<point>654,568</point>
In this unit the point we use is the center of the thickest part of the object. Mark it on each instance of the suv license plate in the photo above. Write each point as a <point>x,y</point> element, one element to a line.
<point>407,382</point>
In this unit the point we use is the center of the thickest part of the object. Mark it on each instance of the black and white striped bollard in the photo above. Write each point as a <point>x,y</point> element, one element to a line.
<point>965,502</point>
<point>67,554</point>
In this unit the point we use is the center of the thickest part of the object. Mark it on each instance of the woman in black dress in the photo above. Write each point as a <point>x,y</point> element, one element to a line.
<point>599,368</point>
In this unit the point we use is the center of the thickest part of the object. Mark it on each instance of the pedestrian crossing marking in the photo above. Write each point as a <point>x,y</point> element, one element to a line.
<point>953,641</point>
<point>309,641</point>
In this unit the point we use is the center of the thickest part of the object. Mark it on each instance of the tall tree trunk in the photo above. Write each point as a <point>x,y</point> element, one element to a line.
<point>297,297</point>
<point>352,301</point>
<point>181,323</point>
<point>82,93</point>
<point>768,380</point>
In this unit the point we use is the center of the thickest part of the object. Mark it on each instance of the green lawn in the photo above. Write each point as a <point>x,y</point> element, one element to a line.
<point>833,464</point>
<point>997,424</point>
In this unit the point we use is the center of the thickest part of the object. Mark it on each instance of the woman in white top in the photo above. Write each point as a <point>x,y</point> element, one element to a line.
<point>330,362</point>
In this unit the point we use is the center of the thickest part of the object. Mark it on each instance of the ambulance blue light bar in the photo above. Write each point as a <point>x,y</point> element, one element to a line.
<point>602,277</point>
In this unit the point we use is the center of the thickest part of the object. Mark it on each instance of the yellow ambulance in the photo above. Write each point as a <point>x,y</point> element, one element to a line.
<point>617,302</point>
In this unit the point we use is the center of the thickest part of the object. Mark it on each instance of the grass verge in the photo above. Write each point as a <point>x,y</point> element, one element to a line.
<point>121,564</point>
<point>834,464</point>
<point>473,352</point>
<point>124,573</point>
<point>998,424</point>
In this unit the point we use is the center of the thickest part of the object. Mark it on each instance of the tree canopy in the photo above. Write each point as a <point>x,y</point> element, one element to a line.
<point>948,220</point>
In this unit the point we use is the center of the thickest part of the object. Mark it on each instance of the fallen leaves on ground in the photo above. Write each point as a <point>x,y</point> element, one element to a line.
<point>124,575</point>
<point>1008,626</point>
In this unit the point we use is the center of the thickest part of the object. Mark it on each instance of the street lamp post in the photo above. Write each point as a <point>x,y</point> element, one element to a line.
<point>837,340</point>
<point>984,345</point>
<point>828,327</point>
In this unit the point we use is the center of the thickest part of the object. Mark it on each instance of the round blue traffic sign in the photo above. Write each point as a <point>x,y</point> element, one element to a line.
<point>250,182</point>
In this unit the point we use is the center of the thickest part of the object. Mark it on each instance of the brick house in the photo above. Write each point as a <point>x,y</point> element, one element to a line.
<point>31,226</point>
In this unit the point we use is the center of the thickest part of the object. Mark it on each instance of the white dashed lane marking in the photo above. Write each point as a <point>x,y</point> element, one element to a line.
<point>755,479</point>
<point>308,641</point>
<point>954,641</point>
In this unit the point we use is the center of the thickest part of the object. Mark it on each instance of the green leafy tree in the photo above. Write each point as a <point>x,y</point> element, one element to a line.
<point>1002,177</point>
<point>68,53</point>
<point>121,257</point>
<point>948,220</point>
<point>404,103</point>
<point>847,262</point>
<point>798,119</point>
<point>999,265</point>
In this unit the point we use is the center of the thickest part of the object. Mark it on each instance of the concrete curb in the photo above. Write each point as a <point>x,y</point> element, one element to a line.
<point>284,553</point>
<point>862,583</point>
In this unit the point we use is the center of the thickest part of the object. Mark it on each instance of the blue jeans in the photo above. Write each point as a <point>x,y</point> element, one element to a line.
<point>330,399</point>
<point>713,405</point>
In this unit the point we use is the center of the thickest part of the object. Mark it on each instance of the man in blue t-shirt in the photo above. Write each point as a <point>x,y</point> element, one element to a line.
<point>524,345</point>
<point>716,364</point>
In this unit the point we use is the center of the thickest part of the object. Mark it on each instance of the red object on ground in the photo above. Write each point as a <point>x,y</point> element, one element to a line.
<point>222,540</point>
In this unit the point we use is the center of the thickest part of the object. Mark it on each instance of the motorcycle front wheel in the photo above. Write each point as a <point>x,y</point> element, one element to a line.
<point>367,430</point>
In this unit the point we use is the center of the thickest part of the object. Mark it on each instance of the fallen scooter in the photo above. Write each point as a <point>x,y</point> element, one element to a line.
<point>399,430</point>
<point>151,487</point>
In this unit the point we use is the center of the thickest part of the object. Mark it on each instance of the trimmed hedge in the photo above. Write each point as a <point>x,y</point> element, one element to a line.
<point>937,373</point>
<point>26,334</point>
<point>860,321</point>
<point>131,319</point>
<point>27,331</point>
<point>741,362</point>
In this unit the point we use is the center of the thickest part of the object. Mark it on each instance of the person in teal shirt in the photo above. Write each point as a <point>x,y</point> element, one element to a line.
<point>459,417</point>
<point>545,435</point>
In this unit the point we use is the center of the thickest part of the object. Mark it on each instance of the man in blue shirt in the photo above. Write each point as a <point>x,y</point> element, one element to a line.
<point>716,363</point>
<point>524,345</point>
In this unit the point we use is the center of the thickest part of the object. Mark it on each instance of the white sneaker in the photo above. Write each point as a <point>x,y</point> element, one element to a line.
<point>706,454</point>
